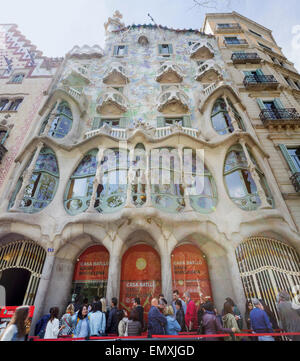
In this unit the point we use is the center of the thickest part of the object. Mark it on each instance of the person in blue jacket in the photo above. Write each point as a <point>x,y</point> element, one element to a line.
<point>172,327</point>
<point>81,322</point>
<point>97,320</point>
<point>260,322</point>
<point>156,321</point>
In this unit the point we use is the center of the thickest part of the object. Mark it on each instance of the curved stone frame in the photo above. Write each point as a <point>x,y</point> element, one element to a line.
<point>230,128</point>
<point>37,175</point>
<point>177,201</point>
<point>214,196</point>
<point>247,202</point>
<point>83,200</point>
<point>107,201</point>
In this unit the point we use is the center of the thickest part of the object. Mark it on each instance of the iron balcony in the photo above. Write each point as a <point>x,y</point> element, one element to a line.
<point>260,82</point>
<point>244,58</point>
<point>277,117</point>
<point>296,181</point>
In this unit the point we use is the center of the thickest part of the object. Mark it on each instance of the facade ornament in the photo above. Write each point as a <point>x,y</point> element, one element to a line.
<point>173,95</point>
<point>114,23</point>
<point>169,67</point>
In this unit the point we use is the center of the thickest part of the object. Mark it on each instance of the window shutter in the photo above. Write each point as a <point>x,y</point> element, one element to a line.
<point>259,72</point>
<point>124,122</point>
<point>96,123</point>
<point>170,49</point>
<point>116,50</point>
<point>247,73</point>
<point>187,122</point>
<point>4,138</point>
<point>126,50</point>
<point>161,122</point>
<point>288,158</point>
<point>278,103</point>
<point>261,104</point>
<point>160,48</point>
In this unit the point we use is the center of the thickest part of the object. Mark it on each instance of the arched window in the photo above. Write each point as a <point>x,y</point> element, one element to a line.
<point>112,192</point>
<point>221,120</point>
<point>80,186</point>
<point>240,184</point>
<point>62,123</point>
<point>43,183</point>
<point>166,180</point>
<point>201,187</point>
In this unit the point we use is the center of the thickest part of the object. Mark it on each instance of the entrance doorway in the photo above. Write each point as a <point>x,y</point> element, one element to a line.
<point>91,273</point>
<point>190,273</point>
<point>15,281</point>
<point>140,276</point>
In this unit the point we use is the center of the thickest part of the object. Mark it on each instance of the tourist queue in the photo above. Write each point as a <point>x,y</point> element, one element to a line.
<point>87,320</point>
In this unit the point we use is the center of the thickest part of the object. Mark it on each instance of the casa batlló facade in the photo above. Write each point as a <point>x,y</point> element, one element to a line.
<point>85,210</point>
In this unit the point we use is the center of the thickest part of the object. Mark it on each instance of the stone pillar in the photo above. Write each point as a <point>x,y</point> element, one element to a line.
<point>188,207</point>
<point>166,274</point>
<point>131,178</point>
<point>238,289</point>
<point>148,181</point>
<point>252,168</point>
<point>97,179</point>
<point>27,174</point>
<point>232,116</point>
<point>40,297</point>
<point>113,282</point>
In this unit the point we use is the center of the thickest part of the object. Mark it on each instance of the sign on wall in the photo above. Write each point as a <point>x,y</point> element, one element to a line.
<point>190,273</point>
<point>140,277</point>
<point>92,265</point>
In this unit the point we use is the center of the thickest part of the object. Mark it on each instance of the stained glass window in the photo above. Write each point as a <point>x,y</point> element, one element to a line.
<point>43,183</point>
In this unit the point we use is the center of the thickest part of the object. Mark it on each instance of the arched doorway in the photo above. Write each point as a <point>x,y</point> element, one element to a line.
<point>91,273</point>
<point>140,276</point>
<point>190,273</point>
<point>267,266</point>
<point>21,266</point>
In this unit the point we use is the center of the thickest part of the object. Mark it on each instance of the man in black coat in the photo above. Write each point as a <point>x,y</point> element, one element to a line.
<point>140,310</point>
<point>113,318</point>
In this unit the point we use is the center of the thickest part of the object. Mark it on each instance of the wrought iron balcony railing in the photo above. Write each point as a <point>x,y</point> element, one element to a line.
<point>3,150</point>
<point>296,181</point>
<point>261,81</point>
<point>236,42</point>
<point>228,28</point>
<point>243,58</point>
<point>280,116</point>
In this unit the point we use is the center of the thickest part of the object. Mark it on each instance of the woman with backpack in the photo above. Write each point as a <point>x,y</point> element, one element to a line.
<point>81,323</point>
<point>16,329</point>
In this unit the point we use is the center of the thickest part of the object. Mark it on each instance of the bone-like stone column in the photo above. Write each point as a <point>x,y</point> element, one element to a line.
<point>26,179</point>
<point>252,168</point>
<point>97,180</point>
<point>113,281</point>
<point>53,115</point>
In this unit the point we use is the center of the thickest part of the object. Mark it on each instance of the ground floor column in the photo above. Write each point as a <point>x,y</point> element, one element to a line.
<point>113,282</point>
<point>166,275</point>
<point>238,289</point>
<point>40,297</point>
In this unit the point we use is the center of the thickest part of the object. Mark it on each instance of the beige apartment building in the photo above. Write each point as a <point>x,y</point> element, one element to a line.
<point>86,211</point>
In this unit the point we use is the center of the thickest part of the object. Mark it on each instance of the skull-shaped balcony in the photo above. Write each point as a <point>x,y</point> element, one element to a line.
<point>201,50</point>
<point>208,72</point>
<point>112,102</point>
<point>116,74</point>
<point>78,74</point>
<point>173,101</point>
<point>74,92</point>
<point>170,72</point>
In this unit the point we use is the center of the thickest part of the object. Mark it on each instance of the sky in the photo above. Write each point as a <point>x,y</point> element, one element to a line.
<point>56,26</point>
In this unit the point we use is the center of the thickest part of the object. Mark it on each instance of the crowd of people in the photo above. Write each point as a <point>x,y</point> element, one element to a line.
<point>84,320</point>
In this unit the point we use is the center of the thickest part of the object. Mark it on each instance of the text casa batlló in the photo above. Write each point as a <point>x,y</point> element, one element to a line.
<point>172,351</point>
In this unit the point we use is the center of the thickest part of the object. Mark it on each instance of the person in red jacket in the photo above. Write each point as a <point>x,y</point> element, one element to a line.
<point>191,313</point>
